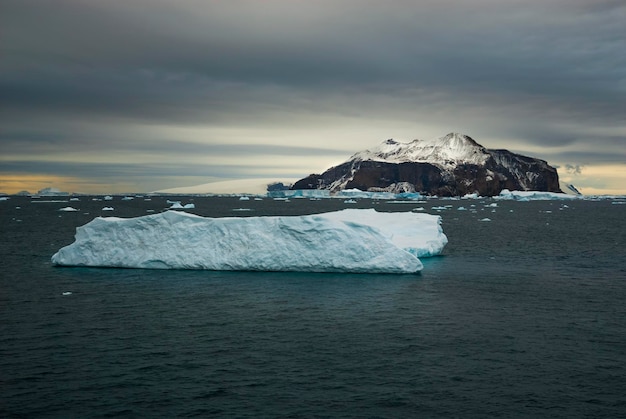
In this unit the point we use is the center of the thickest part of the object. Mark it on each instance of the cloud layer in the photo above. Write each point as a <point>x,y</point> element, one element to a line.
<point>234,89</point>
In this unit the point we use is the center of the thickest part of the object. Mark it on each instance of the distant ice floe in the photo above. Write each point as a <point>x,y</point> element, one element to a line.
<point>68,209</point>
<point>108,209</point>
<point>299,193</point>
<point>351,240</point>
<point>506,194</point>
<point>343,194</point>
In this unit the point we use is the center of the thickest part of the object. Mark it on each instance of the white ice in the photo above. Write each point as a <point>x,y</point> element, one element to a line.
<point>178,205</point>
<point>506,194</point>
<point>418,234</point>
<point>344,241</point>
<point>345,193</point>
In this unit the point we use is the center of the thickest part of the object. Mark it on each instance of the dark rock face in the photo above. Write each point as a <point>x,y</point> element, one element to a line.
<point>501,170</point>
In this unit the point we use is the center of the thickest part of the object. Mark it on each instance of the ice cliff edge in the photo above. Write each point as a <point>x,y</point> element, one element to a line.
<point>353,240</point>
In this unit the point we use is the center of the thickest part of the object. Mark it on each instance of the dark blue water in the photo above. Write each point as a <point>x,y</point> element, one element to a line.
<point>523,316</point>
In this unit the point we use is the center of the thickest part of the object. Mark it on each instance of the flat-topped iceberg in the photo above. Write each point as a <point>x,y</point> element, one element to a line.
<point>506,194</point>
<point>344,241</point>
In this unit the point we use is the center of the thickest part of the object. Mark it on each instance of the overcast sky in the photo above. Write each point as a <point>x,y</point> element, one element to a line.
<point>139,95</point>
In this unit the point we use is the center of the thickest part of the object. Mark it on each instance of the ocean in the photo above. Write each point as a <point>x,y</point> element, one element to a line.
<point>523,315</point>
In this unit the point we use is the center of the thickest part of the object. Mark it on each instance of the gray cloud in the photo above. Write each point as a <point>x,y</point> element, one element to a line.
<point>521,74</point>
<point>573,169</point>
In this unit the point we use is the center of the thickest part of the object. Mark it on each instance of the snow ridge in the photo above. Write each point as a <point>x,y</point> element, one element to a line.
<point>446,152</point>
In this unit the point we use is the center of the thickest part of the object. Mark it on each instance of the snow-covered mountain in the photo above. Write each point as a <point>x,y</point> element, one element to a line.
<point>448,151</point>
<point>451,165</point>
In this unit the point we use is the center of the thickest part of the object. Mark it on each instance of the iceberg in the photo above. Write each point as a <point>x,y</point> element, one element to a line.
<point>300,193</point>
<point>51,192</point>
<point>353,240</point>
<point>345,194</point>
<point>357,193</point>
<point>523,196</point>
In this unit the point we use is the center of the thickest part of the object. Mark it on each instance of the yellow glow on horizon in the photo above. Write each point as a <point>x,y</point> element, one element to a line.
<point>15,183</point>
<point>599,179</point>
<point>593,180</point>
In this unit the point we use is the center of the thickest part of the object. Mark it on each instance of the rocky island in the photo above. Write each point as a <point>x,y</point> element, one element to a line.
<point>452,165</point>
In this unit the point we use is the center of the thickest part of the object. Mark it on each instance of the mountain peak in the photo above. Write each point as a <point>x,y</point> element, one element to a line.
<point>459,138</point>
<point>449,151</point>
